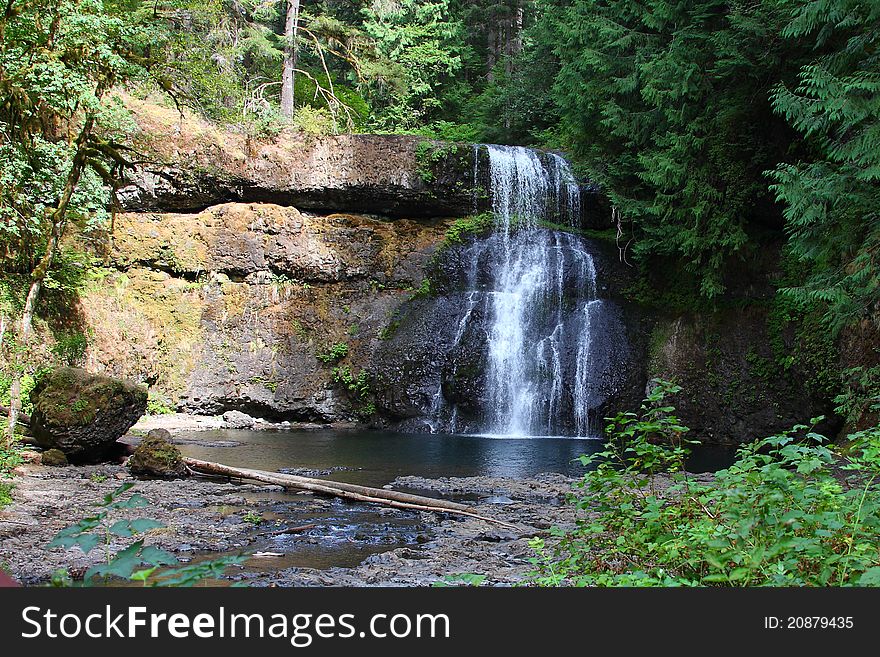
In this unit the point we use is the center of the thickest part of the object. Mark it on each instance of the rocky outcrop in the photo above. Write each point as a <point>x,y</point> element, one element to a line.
<point>733,388</point>
<point>233,308</point>
<point>195,165</point>
<point>83,414</point>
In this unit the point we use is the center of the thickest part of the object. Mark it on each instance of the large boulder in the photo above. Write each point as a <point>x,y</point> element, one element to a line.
<point>83,414</point>
<point>157,457</point>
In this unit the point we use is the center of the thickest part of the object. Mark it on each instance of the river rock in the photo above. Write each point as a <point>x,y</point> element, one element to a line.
<point>238,420</point>
<point>157,457</point>
<point>162,434</point>
<point>53,457</point>
<point>83,414</point>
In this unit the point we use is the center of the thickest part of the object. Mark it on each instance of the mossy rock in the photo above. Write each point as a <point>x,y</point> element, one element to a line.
<point>53,457</point>
<point>83,414</point>
<point>156,457</point>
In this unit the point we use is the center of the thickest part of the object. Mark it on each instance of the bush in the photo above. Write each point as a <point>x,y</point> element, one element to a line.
<point>788,512</point>
<point>70,348</point>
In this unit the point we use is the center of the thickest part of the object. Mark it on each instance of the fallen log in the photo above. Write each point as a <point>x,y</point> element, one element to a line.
<point>383,496</point>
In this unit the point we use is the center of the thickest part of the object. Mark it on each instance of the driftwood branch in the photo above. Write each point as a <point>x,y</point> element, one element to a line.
<point>354,492</point>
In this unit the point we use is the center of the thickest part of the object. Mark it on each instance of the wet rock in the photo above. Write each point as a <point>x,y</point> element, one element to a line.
<point>732,389</point>
<point>383,174</point>
<point>83,414</point>
<point>53,457</point>
<point>156,457</point>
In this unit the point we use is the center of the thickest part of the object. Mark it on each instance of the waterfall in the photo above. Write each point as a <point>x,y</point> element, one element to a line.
<point>540,273</point>
<point>529,309</point>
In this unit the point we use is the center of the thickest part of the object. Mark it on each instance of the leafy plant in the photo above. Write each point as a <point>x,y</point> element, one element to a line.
<point>5,494</point>
<point>333,353</point>
<point>460,579</point>
<point>137,562</point>
<point>10,458</point>
<point>358,385</point>
<point>777,517</point>
<point>71,348</point>
<point>158,405</point>
<point>252,518</point>
<point>462,228</point>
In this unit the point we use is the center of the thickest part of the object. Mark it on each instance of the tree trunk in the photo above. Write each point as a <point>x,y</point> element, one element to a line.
<point>289,63</point>
<point>58,220</point>
<point>390,498</point>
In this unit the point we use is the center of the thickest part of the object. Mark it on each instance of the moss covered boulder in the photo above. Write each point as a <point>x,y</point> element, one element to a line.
<point>54,458</point>
<point>83,414</point>
<point>157,457</point>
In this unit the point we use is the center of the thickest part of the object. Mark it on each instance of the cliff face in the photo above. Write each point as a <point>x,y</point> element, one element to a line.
<point>223,291</point>
<point>286,278</point>
<point>240,306</point>
<point>195,166</point>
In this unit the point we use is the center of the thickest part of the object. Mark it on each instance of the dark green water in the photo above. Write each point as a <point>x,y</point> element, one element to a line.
<point>376,458</point>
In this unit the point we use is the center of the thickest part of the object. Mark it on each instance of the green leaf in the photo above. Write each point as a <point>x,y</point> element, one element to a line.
<point>142,525</point>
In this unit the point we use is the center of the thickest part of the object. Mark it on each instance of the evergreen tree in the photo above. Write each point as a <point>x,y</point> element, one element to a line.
<point>667,103</point>
<point>832,200</point>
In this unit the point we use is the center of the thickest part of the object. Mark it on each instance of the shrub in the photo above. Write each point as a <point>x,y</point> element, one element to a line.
<point>5,495</point>
<point>777,517</point>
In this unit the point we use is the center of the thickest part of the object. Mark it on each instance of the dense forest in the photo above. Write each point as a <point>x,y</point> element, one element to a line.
<point>715,129</point>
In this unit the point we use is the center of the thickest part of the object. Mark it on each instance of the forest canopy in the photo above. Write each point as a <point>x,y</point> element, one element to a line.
<point>707,122</point>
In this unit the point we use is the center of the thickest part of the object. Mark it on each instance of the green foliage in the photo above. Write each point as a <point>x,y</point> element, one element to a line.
<point>662,104</point>
<point>316,122</point>
<point>779,516</point>
<point>358,385</point>
<point>424,290</point>
<point>70,348</point>
<point>460,579</point>
<point>28,382</point>
<point>861,393</point>
<point>157,404</point>
<point>461,229</point>
<point>252,517</point>
<point>831,196</point>
<point>419,43</point>
<point>429,155</point>
<point>5,494</point>
<point>136,562</point>
<point>10,458</point>
<point>333,353</point>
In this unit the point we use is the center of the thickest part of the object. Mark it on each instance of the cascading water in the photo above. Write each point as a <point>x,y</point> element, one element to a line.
<point>530,300</point>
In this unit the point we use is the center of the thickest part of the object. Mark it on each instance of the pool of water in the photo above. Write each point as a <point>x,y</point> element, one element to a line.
<point>346,533</point>
<point>375,458</point>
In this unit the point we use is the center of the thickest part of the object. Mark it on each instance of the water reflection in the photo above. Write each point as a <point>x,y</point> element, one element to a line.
<point>375,458</point>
